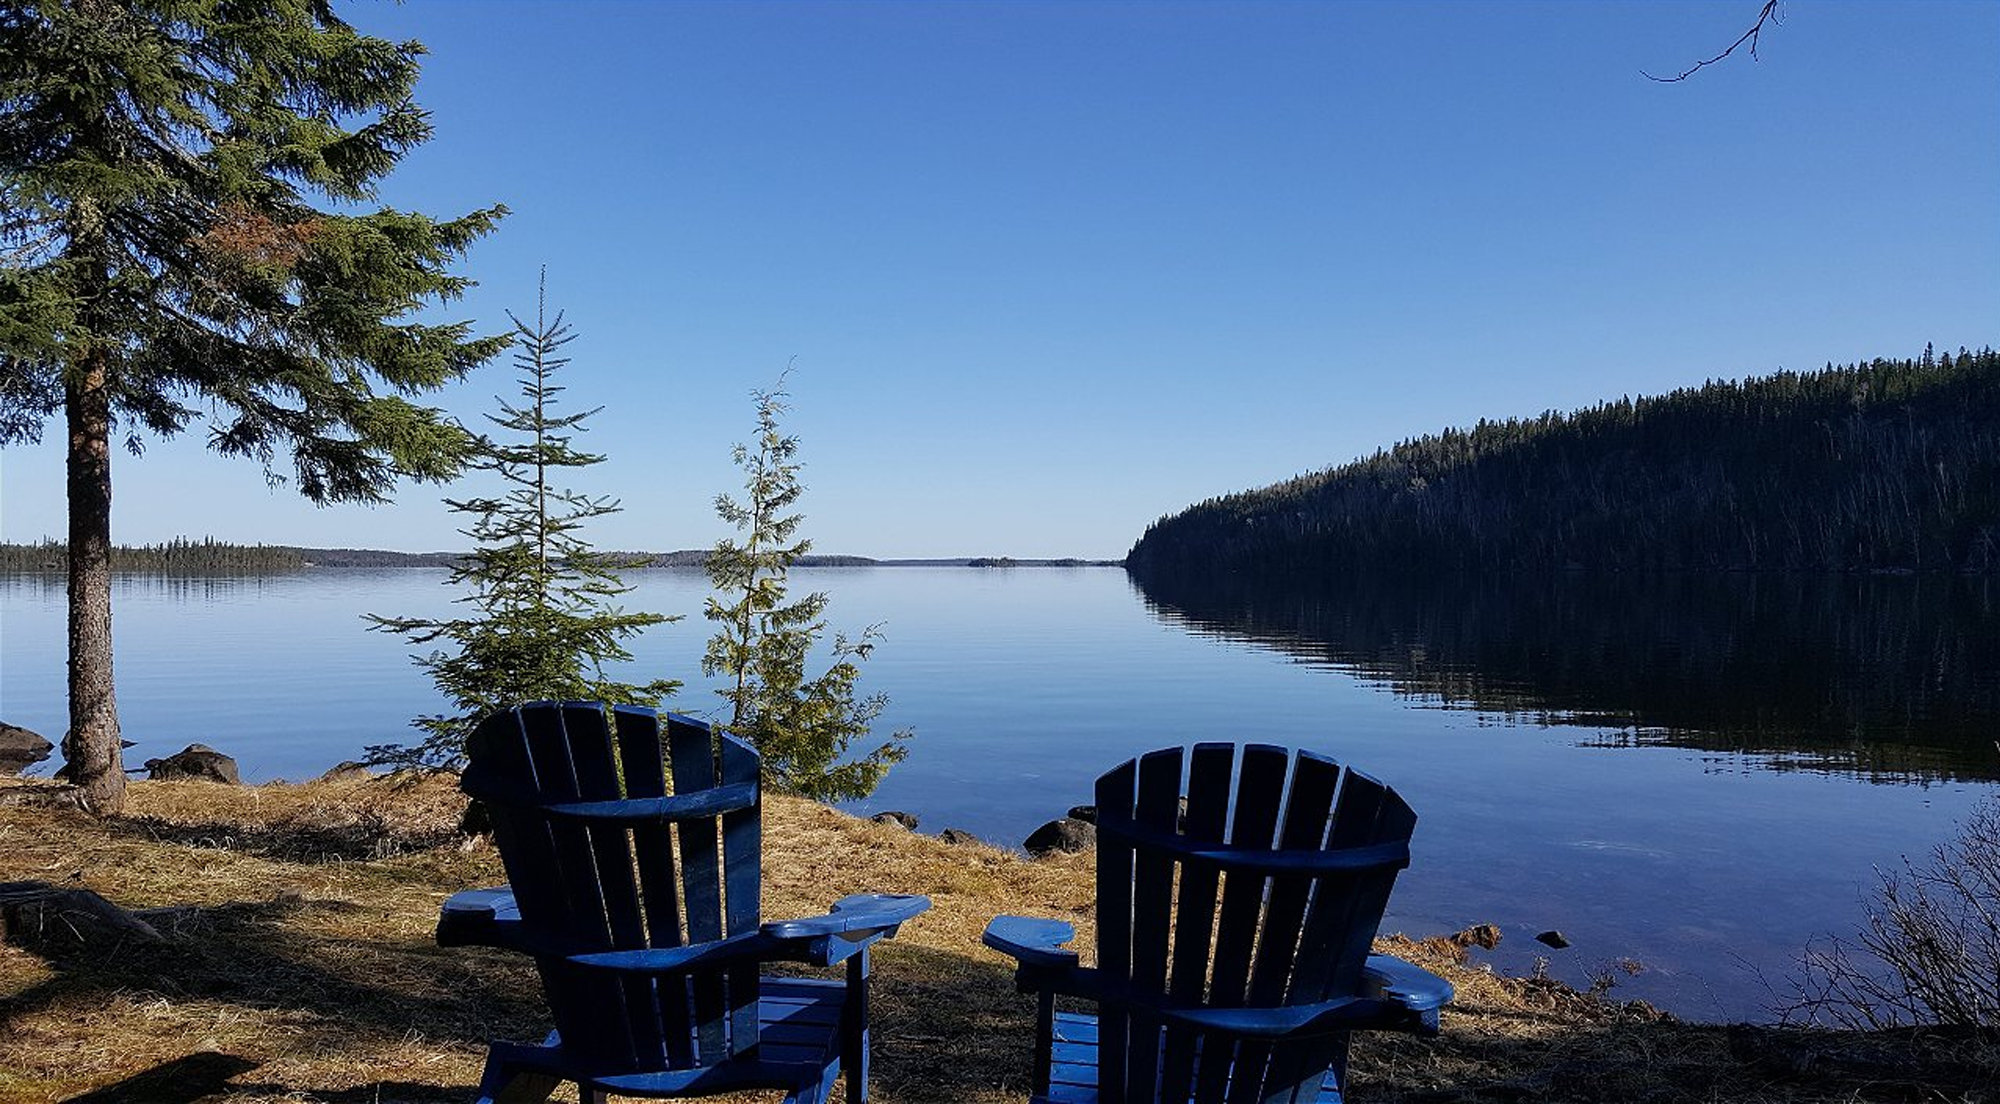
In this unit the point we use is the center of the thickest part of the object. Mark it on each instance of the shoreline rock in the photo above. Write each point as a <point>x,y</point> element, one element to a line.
<point>198,762</point>
<point>1066,835</point>
<point>21,748</point>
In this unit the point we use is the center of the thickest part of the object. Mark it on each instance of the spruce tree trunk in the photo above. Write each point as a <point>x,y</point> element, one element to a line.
<point>91,748</point>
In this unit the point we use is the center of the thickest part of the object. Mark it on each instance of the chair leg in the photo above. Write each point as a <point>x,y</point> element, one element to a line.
<point>1045,1040</point>
<point>854,1029</point>
<point>819,1092</point>
<point>504,1085</point>
<point>511,1075</point>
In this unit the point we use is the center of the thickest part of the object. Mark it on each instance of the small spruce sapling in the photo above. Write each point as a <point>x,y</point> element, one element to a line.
<point>543,625</point>
<point>803,727</point>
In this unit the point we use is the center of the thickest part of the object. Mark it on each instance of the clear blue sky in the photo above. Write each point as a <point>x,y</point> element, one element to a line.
<point>1052,270</point>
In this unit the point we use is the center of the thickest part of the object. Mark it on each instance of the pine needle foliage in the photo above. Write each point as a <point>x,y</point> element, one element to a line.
<point>543,624</point>
<point>802,726</point>
<point>186,242</point>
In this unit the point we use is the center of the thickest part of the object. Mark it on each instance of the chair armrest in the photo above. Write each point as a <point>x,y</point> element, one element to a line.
<point>1395,996</point>
<point>1283,1022</point>
<point>1413,988</point>
<point>753,946</point>
<point>491,918</point>
<point>1031,940</point>
<point>1045,965</point>
<point>850,925</point>
<point>480,918</point>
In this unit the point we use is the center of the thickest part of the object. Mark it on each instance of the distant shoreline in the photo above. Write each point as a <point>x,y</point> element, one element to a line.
<point>213,557</point>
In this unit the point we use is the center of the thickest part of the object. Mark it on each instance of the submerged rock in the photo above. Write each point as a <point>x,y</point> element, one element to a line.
<point>195,761</point>
<point>1552,938</point>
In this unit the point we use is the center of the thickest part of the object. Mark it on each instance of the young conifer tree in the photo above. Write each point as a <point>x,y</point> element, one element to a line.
<point>543,623</point>
<point>803,727</point>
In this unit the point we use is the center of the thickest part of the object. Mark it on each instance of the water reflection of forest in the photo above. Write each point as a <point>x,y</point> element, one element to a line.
<point>1892,678</point>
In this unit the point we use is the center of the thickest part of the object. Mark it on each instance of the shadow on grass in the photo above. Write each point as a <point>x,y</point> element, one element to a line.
<point>181,1081</point>
<point>207,1076</point>
<point>245,954</point>
<point>367,836</point>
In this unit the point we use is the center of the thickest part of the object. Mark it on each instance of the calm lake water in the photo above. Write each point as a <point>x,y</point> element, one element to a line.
<point>1699,775</point>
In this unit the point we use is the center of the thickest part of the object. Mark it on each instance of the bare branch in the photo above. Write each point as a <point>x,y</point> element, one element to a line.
<point>1768,14</point>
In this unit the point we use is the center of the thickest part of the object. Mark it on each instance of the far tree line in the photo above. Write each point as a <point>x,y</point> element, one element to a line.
<point>1891,465</point>
<point>180,556</point>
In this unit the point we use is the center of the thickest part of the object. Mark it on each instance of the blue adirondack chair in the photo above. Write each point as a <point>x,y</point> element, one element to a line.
<point>1232,949</point>
<point>640,907</point>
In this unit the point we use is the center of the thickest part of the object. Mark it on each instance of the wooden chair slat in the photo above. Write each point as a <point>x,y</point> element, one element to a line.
<point>1262,1074</point>
<point>594,757</point>
<point>594,1020</point>
<point>692,753</point>
<point>1334,909</point>
<point>1259,791</point>
<point>1157,806</point>
<point>1209,776</point>
<point>742,852</point>
<point>1117,795</point>
<point>499,745</point>
<point>641,755</point>
<point>1342,902</point>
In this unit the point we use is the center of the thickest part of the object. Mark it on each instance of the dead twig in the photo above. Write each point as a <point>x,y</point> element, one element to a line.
<point>1768,14</point>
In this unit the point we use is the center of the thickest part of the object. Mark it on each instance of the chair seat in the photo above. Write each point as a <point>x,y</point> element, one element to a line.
<point>798,1028</point>
<point>1073,1068</point>
<point>799,1018</point>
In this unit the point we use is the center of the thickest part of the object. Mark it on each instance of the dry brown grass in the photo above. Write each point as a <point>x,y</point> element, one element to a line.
<point>299,967</point>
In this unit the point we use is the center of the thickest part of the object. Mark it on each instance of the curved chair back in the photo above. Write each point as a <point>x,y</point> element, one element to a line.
<point>1264,891</point>
<point>604,855</point>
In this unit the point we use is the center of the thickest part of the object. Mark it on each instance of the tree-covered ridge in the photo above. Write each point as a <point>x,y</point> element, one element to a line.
<point>1889,465</point>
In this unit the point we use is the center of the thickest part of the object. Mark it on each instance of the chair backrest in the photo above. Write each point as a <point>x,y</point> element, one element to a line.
<point>1264,891</point>
<point>601,858</point>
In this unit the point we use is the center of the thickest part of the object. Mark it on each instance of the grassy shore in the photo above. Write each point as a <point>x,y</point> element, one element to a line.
<point>297,965</point>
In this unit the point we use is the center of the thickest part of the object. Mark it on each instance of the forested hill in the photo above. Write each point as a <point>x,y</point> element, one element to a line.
<point>1890,465</point>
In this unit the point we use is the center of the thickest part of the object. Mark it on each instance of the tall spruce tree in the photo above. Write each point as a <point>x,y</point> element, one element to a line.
<point>544,625</point>
<point>802,726</point>
<point>162,262</point>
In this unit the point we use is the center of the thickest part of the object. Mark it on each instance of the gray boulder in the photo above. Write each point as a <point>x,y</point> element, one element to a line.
<point>346,770</point>
<point>896,816</point>
<point>1067,834</point>
<point>957,836</point>
<point>196,761</point>
<point>21,748</point>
